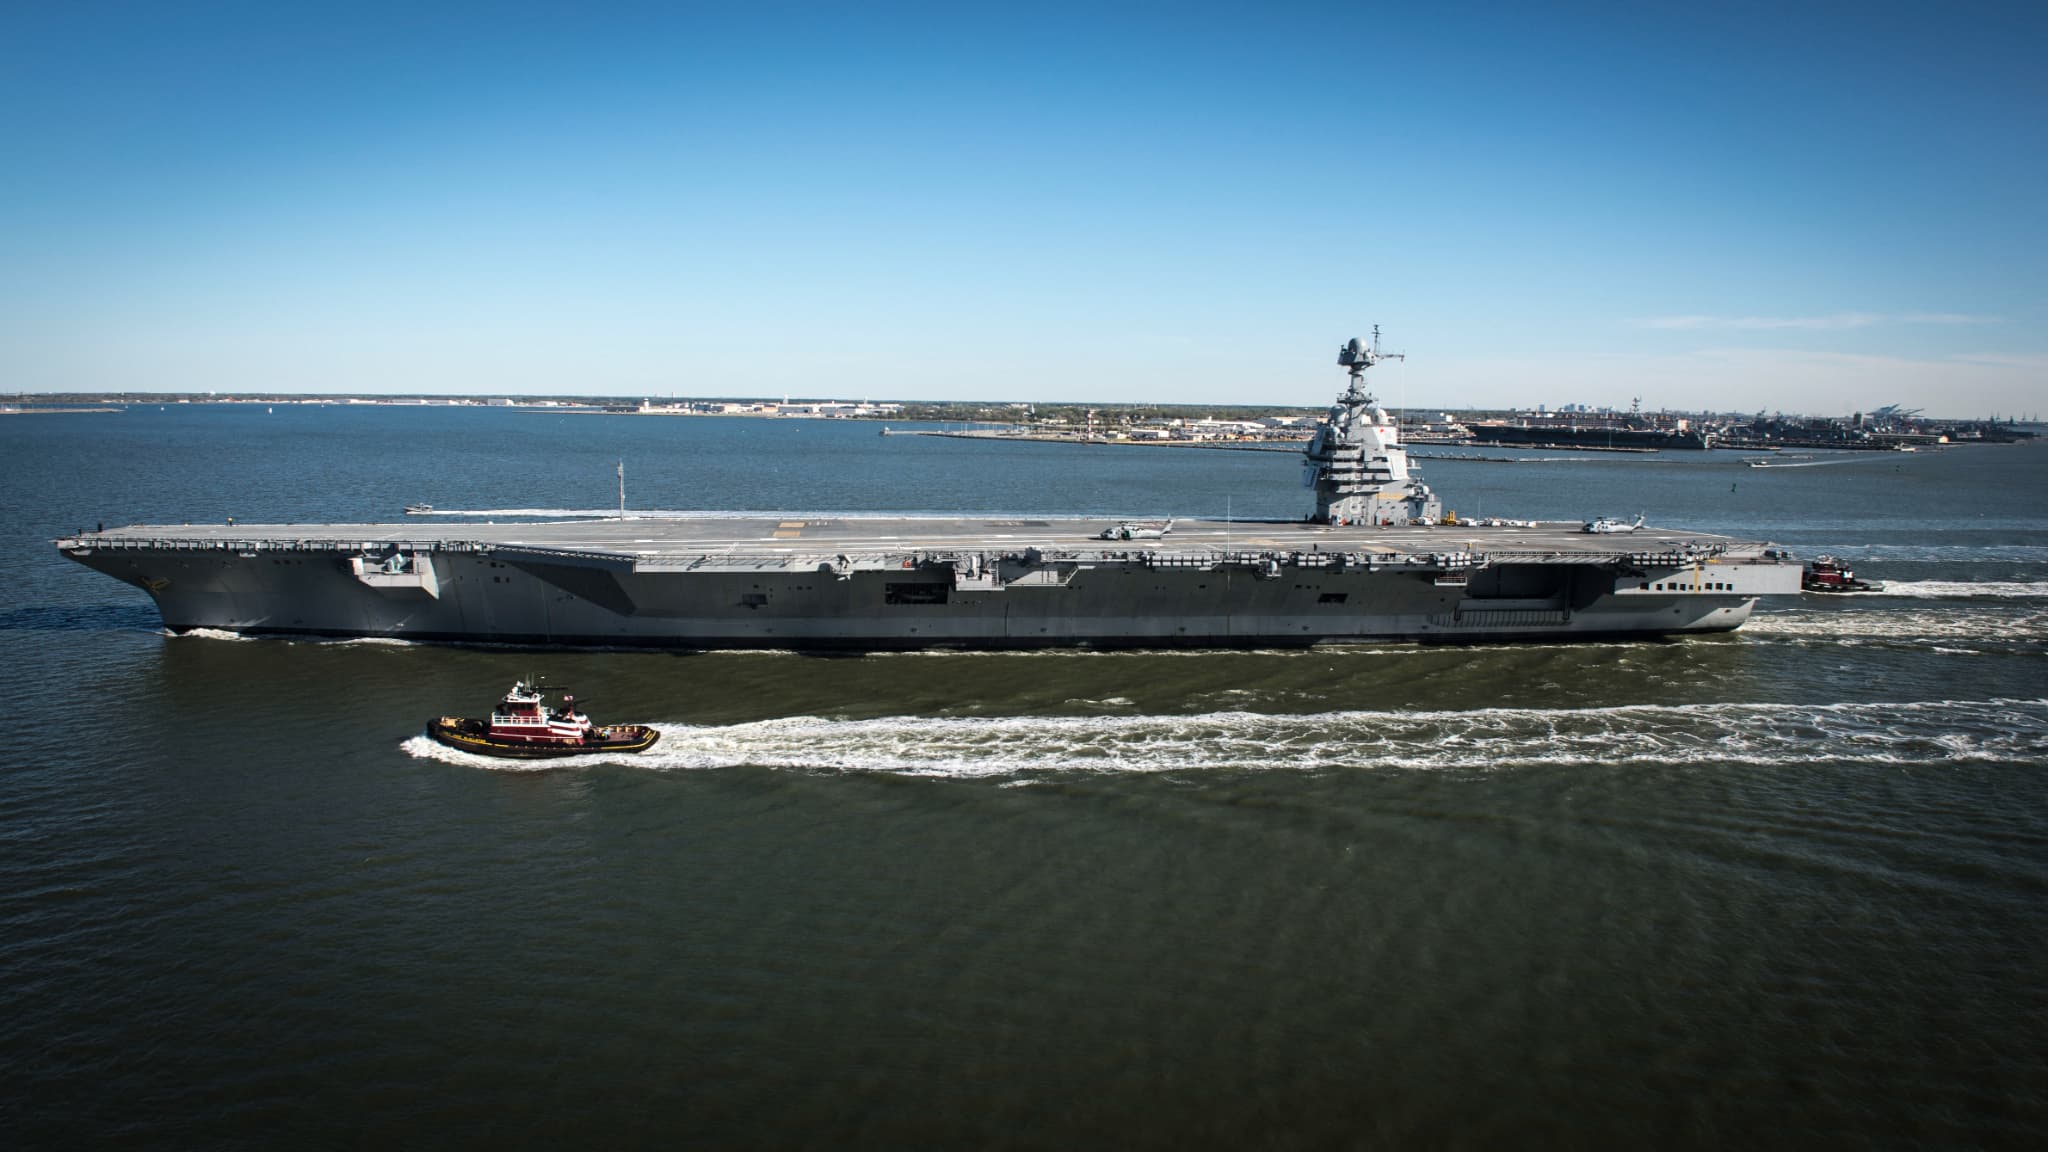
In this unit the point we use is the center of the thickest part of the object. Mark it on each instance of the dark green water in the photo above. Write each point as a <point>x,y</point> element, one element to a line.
<point>1786,887</point>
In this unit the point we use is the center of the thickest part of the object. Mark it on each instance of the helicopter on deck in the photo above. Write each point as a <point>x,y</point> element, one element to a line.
<point>1605,526</point>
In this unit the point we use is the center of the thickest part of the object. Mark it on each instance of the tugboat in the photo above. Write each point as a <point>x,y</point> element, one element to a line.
<point>523,727</point>
<point>1826,574</point>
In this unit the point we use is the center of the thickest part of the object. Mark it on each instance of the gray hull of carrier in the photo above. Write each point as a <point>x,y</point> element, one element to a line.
<point>1375,560</point>
<point>813,582</point>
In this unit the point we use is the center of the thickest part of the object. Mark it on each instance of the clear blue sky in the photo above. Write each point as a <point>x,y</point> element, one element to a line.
<point>1804,207</point>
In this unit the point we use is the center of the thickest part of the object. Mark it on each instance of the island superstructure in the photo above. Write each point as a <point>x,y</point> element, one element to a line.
<point>1356,463</point>
<point>1374,561</point>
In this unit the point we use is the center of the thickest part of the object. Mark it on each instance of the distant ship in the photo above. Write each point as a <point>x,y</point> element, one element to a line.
<point>1633,432</point>
<point>1376,559</point>
<point>1533,435</point>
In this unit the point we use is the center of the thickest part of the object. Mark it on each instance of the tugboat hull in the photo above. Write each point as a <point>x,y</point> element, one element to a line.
<point>469,735</point>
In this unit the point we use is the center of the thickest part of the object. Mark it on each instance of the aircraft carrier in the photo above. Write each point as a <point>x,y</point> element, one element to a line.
<point>1376,560</point>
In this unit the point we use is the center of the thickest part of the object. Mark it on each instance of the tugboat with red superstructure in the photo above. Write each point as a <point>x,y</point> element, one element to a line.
<point>522,726</point>
<point>1826,574</point>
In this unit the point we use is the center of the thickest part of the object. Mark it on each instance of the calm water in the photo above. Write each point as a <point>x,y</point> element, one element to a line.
<point>1784,887</point>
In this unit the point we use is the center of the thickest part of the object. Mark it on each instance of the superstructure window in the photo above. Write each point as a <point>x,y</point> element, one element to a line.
<point>1332,597</point>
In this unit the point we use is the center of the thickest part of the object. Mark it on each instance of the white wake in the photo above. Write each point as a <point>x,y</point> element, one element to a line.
<point>1927,732</point>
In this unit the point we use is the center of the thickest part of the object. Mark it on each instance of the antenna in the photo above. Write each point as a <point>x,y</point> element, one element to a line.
<point>1356,357</point>
<point>1401,408</point>
<point>622,489</point>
